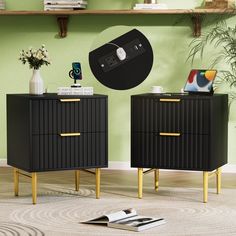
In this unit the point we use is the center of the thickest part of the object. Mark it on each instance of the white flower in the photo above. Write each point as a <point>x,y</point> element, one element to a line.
<point>39,55</point>
<point>45,53</point>
<point>35,58</point>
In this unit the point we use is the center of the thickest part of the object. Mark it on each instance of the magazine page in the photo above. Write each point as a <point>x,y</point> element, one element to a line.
<point>137,223</point>
<point>112,217</point>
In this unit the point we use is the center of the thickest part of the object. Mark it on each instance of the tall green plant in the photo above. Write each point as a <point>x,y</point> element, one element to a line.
<point>222,37</point>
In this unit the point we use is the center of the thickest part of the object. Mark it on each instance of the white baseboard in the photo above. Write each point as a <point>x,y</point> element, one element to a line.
<point>229,168</point>
<point>122,165</point>
<point>3,163</point>
<point>119,165</point>
<point>125,165</point>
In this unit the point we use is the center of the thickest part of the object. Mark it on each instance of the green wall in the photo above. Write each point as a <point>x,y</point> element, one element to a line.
<point>168,39</point>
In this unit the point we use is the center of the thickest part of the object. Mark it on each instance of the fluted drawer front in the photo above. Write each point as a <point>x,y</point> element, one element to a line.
<point>171,152</point>
<point>57,152</point>
<point>54,116</point>
<point>174,115</point>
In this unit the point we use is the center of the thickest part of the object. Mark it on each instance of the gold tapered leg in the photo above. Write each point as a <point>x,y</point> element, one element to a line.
<point>205,186</point>
<point>156,179</point>
<point>140,183</point>
<point>34,187</point>
<point>218,180</point>
<point>98,180</point>
<point>77,180</point>
<point>16,181</point>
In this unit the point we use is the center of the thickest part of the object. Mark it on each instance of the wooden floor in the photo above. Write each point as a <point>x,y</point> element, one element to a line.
<point>60,208</point>
<point>125,178</point>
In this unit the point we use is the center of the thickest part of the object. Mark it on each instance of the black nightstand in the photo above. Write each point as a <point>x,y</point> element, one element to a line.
<point>184,132</point>
<point>51,132</point>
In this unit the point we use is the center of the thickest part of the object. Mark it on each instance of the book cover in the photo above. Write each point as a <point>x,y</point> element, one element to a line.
<point>137,223</point>
<point>64,6</point>
<point>63,2</point>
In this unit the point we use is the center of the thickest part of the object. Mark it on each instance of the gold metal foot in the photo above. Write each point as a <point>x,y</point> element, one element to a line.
<point>205,186</point>
<point>16,181</point>
<point>98,181</point>
<point>156,179</point>
<point>218,180</point>
<point>77,180</point>
<point>34,187</point>
<point>140,183</point>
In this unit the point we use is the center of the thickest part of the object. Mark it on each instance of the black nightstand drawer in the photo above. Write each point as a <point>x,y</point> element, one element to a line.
<point>55,116</point>
<point>171,114</point>
<point>152,150</point>
<point>54,152</point>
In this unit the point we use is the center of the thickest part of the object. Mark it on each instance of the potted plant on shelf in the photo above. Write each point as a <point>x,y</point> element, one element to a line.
<point>35,58</point>
<point>223,38</point>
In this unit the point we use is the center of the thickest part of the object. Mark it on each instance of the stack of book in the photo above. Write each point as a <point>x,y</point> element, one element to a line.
<point>62,5</point>
<point>75,91</point>
<point>219,3</point>
<point>150,6</point>
<point>2,5</point>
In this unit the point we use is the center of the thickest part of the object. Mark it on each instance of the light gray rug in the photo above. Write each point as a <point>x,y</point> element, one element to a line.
<point>60,209</point>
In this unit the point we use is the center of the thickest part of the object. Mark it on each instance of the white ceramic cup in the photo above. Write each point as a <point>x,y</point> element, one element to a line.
<point>157,89</point>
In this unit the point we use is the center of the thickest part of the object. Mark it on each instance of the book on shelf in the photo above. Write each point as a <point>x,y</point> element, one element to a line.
<point>64,7</point>
<point>2,5</point>
<point>150,6</point>
<point>63,2</point>
<point>220,4</point>
<point>128,220</point>
<point>51,5</point>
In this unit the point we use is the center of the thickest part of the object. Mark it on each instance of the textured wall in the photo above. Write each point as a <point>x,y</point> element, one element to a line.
<point>169,41</point>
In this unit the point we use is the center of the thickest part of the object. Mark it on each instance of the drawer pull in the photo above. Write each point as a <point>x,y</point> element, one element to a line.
<point>169,99</point>
<point>169,134</point>
<point>69,134</point>
<point>70,100</point>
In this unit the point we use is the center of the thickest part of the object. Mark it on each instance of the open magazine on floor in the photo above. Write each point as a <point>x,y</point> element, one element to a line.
<point>128,220</point>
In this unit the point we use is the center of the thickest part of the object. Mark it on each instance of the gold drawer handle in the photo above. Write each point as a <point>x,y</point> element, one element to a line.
<point>170,134</point>
<point>69,134</point>
<point>70,100</point>
<point>169,99</point>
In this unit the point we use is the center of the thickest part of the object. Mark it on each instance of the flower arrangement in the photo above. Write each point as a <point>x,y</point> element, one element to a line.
<point>35,58</point>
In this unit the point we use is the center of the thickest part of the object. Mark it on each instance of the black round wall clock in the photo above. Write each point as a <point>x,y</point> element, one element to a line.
<point>124,62</point>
